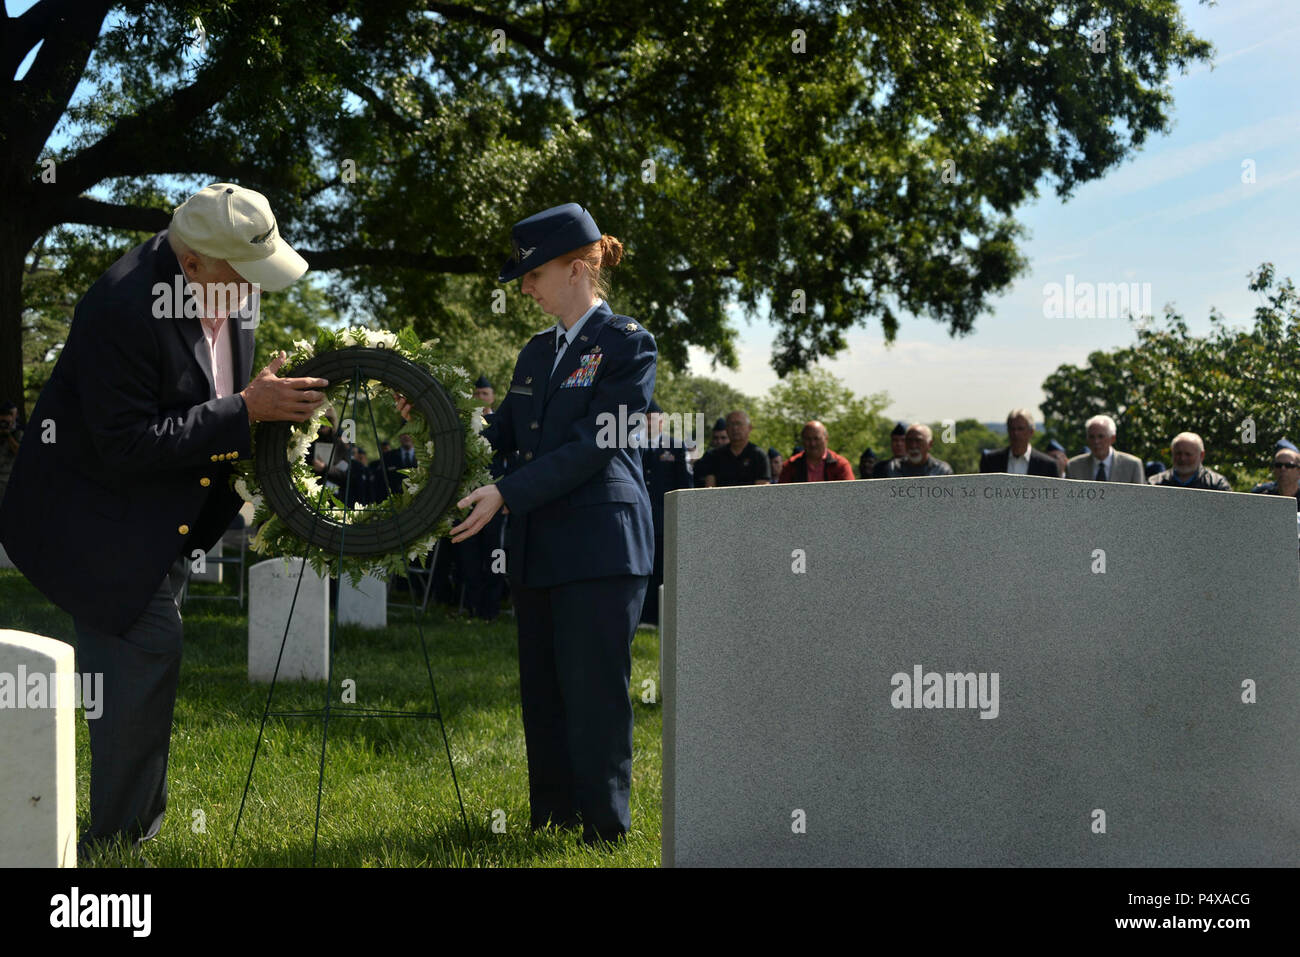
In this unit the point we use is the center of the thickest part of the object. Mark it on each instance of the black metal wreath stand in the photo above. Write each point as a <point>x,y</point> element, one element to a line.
<point>427,397</point>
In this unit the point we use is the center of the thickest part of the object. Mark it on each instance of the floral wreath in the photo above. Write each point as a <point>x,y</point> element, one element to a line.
<point>276,536</point>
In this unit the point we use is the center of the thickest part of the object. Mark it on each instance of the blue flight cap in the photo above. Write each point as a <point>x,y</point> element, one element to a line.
<point>1285,444</point>
<point>482,383</point>
<point>1055,446</point>
<point>1154,468</point>
<point>772,453</point>
<point>900,429</point>
<point>545,235</point>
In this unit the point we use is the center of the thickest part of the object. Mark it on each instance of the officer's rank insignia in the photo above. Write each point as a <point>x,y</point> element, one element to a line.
<point>594,349</point>
<point>630,327</point>
<point>586,371</point>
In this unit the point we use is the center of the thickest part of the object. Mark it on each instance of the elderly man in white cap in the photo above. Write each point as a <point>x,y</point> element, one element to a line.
<point>126,471</point>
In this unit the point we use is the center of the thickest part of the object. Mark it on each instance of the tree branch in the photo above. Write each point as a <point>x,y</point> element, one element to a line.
<point>529,41</point>
<point>69,33</point>
<point>347,257</point>
<point>91,212</point>
<point>136,144</point>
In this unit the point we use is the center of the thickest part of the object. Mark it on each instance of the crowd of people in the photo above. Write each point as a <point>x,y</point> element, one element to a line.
<point>733,460</point>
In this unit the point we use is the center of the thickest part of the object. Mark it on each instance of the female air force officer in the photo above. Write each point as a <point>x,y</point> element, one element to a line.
<point>580,532</point>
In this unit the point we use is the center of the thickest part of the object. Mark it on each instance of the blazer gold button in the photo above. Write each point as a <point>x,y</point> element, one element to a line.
<point>214,458</point>
<point>184,529</point>
<point>205,481</point>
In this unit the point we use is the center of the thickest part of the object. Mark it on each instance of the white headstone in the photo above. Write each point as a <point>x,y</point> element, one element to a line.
<point>4,559</point>
<point>38,779</point>
<point>364,604</point>
<point>212,570</point>
<point>271,587</point>
<point>980,670</point>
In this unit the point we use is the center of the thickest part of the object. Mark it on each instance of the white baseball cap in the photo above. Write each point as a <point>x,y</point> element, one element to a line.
<point>236,224</point>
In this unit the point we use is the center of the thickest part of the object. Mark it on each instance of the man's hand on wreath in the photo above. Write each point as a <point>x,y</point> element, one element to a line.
<point>272,399</point>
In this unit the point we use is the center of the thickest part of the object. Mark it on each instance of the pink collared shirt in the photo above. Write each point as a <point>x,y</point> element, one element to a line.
<point>217,334</point>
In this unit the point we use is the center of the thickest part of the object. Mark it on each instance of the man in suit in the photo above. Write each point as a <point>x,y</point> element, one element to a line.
<point>1101,463</point>
<point>146,408</point>
<point>667,468</point>
<point>581,534</point>
<point>1019,457</point>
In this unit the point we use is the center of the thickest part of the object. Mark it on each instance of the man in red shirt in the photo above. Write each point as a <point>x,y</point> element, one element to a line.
<point>816,463</point>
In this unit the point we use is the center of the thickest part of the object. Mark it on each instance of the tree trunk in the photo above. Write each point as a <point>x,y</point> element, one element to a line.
<point>13,252</point>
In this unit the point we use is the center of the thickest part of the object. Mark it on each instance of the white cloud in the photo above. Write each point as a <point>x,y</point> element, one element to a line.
<point>1150,169</point>
<point>925,380</point>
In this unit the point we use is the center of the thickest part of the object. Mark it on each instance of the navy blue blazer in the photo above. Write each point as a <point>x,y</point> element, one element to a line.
<point>1040,463</point>
<point>578,507</point>
<point>137,472</point>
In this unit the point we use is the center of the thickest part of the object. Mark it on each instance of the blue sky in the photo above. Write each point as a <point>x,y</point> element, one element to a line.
<point>1176,215</point>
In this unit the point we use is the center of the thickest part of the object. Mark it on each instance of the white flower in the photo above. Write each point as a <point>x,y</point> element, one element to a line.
<point>409,486</point>
<point>303,346</point>
<point>258,502</point>
<point>242,488</point>
<point>297,446</point>
<point>428,447</point>
<point>383,339</point>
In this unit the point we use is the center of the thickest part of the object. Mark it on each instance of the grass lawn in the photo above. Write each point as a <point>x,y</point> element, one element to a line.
<point>388,798</point>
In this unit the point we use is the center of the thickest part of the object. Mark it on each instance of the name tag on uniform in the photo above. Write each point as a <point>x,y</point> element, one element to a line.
<point>521,389</point>
<point>585,373</point>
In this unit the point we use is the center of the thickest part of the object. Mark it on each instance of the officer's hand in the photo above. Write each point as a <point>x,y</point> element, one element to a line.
<point>272,399</point>
<point>486,501</point>
<point>403,406</point>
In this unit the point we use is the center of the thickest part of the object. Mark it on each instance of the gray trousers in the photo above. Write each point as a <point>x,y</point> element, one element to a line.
<point>130,739</point>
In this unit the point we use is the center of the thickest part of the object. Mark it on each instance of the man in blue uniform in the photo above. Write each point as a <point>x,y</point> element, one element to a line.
<point>581,540</point>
